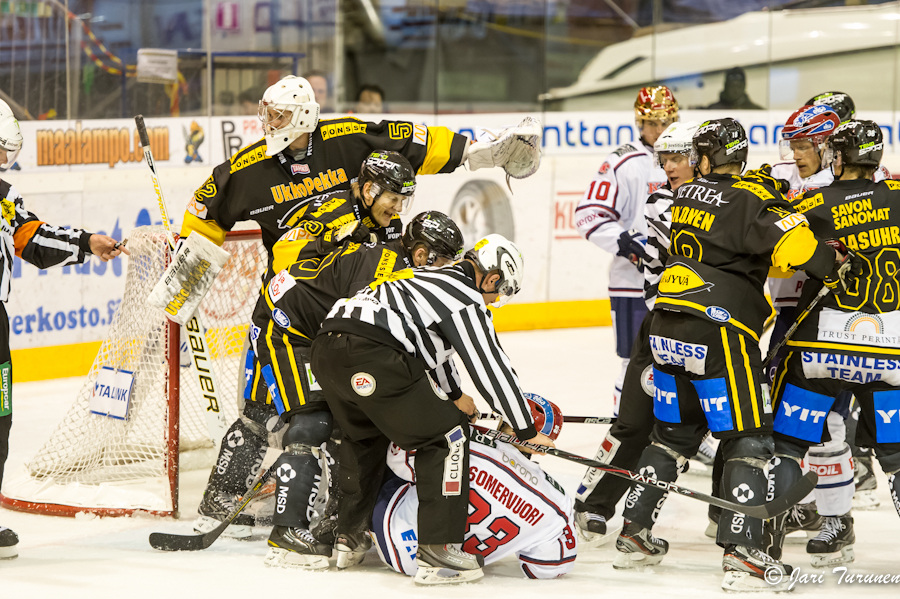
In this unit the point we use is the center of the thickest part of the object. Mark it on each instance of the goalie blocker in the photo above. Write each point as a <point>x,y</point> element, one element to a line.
<point>188,278</point>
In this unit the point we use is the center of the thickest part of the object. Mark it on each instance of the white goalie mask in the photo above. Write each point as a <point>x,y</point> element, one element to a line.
<point>496,253</point>
<point>287,110</point>
<point>10,135</point>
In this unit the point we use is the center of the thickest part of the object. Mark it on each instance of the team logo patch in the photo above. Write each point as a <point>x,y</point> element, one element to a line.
<point>647,380</point>
<point>679,280</point>
<point>299,169</point>
<point>280,318</point>
<point>453,463</point>
<point>363,383</point>
<point>718,314</point>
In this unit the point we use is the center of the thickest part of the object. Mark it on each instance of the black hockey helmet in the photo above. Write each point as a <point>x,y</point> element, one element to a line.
<point>839,102</point>
<point>859,143</point>
<point>389,171</point>
<point>438,233</point>
<point>723,141</point>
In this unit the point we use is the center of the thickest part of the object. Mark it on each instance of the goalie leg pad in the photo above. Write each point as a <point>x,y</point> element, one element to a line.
<point>188,278</point>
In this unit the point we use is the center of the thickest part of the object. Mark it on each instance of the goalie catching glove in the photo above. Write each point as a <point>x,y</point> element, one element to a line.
<point>516,149</point>
<point>188,278</point>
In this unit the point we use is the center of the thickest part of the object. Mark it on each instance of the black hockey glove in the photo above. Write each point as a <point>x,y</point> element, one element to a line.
<point>631,246</point>
<point>845,270</point>
<point>763,176</point>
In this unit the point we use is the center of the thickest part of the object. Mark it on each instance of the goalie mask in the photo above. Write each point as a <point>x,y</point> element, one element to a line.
<point>440,235</point>
<point>548,418</point>
<point>10,135</point>
<point>496,254</point>
<point>655,104</point>
<point>389,171</point>
<point>287,110</point>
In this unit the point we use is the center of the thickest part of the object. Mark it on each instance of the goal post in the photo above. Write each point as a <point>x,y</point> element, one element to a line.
<point>113,464</point>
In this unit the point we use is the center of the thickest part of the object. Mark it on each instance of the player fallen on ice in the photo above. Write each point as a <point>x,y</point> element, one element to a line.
<point>43,245</point>
<point>372,358</point>
<point>515,508</point>
<point>727,231</point>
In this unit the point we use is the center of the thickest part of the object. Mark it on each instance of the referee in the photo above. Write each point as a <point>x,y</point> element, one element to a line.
<point>383,360</point>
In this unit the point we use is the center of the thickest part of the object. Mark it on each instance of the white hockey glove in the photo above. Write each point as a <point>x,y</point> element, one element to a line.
<point>516,149</point>
<point>188,278</point>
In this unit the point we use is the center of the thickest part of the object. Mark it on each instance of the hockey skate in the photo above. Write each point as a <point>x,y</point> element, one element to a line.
<point>446,564</point>
<point>864,478</point>
<point>296,548</point>
<point>748,569</point>
<point>833,545</point>
<point>804,518</point>
<point>215,508</point>
<point>351,548</point>
<point>636,547</point>
<point>593,530</point>
<point>8,543</point>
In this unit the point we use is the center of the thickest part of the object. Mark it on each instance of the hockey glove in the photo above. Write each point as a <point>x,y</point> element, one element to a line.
<point>516,149</point>
<point>845,270</point>
<point>763,176</point>
<point>632,246</point>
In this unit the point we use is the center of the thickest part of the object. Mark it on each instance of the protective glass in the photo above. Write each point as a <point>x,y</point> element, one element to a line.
<point>11,155</point>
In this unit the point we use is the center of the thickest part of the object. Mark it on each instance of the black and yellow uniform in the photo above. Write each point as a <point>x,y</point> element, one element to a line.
<point>851,339</point>
<point>727,231</point>
<point>273,191</point>
<point>295,303</point>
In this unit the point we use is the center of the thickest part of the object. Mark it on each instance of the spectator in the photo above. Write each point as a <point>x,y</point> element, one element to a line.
<point>249,100</point>
<point>319,82</point>
<point>734,95</point>
<point>370,99</point>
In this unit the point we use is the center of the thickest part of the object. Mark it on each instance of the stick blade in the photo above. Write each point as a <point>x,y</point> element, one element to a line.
<point>788,499</point>
<point>169,542</point>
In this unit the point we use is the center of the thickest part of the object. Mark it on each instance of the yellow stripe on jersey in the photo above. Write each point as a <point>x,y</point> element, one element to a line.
<point>750,382</point>
<point>796,247</point>
<point>208,228</point>
<point>845,347</point>
<point>702,308</point>
<point>278,379</point>
<point>437,154</point>
<point>779,382</point>
<point>735,398</point>
<point>256,374</point>
<point>298,384</point>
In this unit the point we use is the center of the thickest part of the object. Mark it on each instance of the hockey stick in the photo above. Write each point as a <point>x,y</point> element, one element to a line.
<point>172,542</point>
<point>825,290</point>
<point>206,378</point>
<point>575,419</point>
<point>779,505</point>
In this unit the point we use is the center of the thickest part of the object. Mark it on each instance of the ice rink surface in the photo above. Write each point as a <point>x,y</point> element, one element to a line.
<point>575,368</point>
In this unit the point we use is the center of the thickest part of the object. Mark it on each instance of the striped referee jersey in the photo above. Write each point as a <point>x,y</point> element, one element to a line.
<point>434,313</point>
<point>658,212</point>
<point>34,241</point>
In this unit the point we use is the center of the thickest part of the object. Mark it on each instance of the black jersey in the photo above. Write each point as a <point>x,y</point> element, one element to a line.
<point>865,316</point>
<point>272,191</point>
<point>726,233</point>
<point>298,298</point>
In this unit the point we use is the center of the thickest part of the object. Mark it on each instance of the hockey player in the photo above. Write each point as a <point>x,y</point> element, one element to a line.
<point>41,244</point>
<point>727,231</point>
<point>598,494</point>
<point>296,302</point>
<point>515,508</point>
<point>611,215</point>
<point>372,357</point>
<point>272,182</point>
<point>847,343</point>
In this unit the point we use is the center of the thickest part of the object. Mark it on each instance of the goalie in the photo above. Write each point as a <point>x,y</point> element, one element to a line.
<point>41,244</point>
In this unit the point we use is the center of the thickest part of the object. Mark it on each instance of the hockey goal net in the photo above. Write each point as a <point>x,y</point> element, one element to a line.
<point>94,463</point>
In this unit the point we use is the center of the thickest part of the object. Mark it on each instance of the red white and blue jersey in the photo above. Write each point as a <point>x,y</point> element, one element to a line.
<point>515,508</point>
<point>614,203</point>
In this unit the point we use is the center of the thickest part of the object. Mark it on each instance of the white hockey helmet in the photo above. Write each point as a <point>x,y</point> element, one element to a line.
<point>10,135</point>
<point>496,253</point>
<point>287,110</point>
<point>677,139</point>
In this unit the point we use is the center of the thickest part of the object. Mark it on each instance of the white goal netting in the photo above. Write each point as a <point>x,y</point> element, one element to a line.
<point>114,466</point>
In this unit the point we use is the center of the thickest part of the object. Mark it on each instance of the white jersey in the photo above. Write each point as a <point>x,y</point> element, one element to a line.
<point>786,291</point>
<point>514,508</point>
<point>614,203</point>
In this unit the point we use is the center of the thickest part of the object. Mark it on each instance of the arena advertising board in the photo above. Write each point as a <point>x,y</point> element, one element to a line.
<point>91,174</point>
